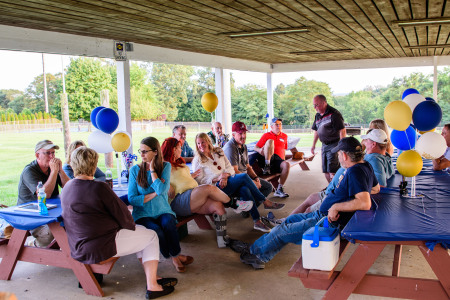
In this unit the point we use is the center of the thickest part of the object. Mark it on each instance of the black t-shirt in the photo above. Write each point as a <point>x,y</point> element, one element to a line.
<point>328,125</point>
<point>358,178</point>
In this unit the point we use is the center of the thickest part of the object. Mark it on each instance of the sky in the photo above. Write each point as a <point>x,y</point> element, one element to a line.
<point>20,68</point>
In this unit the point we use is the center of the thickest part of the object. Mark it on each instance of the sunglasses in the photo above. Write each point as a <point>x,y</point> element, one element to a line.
<point>145,151</point>
<point>218,167</point>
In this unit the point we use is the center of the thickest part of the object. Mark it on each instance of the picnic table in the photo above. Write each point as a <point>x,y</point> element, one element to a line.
<point>397,220</point>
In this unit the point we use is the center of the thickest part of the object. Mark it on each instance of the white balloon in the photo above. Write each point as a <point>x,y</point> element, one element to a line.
<point>413,99</point>
<point>100,142</point>
<point>431,145</point>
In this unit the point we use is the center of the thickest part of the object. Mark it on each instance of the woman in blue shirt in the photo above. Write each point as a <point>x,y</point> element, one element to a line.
<point>148,186</point>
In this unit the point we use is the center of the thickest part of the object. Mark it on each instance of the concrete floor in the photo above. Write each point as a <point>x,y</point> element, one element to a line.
<point>215,273</point>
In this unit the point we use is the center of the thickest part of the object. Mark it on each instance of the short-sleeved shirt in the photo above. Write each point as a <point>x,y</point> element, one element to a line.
<point>358,178</point>
<point>29,179</point>
<point>238,156</point>
<point>280,142</point>
<point>328,125</point>
<point>222,140</point>
<point>186,151</point>
<point>382,166</point>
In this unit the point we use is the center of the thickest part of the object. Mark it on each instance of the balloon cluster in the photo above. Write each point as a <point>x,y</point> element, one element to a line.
<point>415,113</point>
<point>106,121</point>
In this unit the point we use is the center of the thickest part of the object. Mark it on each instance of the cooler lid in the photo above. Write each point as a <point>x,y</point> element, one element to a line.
<point>325,234</point>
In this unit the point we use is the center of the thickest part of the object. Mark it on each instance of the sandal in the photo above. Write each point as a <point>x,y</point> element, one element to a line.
<point>188,260</point>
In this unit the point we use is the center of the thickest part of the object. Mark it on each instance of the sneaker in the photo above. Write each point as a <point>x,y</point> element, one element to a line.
<point>245,214</point>
<point>237,245</point>
<point>261,226</point>
<point>272,220</point>
<point>251,259</point>
<point>280,193</point>
<point>275,205</point>
<point>243,206</point>
<point>266,170</point>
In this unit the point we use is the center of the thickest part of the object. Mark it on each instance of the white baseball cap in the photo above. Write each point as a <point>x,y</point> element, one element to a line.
<point>376,135</point>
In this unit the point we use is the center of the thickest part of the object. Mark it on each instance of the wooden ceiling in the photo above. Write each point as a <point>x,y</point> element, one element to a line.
<point>337,30</point>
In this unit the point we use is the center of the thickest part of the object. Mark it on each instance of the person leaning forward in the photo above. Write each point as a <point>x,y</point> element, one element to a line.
<point>329,127</point>
<point>47,169</point>
<point>179,132</point>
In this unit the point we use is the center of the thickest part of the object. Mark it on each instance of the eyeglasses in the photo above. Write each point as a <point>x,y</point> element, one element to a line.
<point>145,151</point>
<point>218,167</point>
<point>316,105</point>
<point>48,153</point>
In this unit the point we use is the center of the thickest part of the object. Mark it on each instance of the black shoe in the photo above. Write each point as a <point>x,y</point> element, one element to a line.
<point>167,281</point>
<point>236,245</point>
<point>266,170</point>
<point>156,294</point>
<point>251,259</point>
<point>97,276</point>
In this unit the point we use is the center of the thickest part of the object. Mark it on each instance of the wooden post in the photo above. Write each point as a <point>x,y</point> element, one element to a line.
<point>65,121</point>
<point>109,159</point>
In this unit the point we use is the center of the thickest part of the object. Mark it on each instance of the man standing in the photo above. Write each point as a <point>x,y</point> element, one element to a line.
<point>47,169</point>
<point>218,138</point>
<point>352,193</point>
<point>443,162</point>
<point>329,127</point>
<point>179,132</point>
<point>272,148</point>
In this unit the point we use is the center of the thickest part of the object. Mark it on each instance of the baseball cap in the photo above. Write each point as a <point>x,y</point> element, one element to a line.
<point>274,120</point>
<point>348,144</point>
<point>45,144</point>
<point>376,135</point>
<point>238,127</point>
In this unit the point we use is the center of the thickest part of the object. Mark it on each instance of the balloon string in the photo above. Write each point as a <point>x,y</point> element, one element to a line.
<point>212,117</point>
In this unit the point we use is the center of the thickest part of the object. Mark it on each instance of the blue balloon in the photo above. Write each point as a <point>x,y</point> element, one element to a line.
<point>94,115</point>
<point>408,92</point>
<point>427,115</point>
<point>430,99</point>
<point>107,120</point>
<point>404,140</point>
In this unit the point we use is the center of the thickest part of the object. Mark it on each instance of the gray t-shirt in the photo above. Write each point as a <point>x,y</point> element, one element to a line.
<point>237,156</point>
<point>29,179</point>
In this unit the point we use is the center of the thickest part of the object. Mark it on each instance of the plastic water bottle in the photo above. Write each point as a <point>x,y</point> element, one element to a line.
<point>109,178</point>
<point>42,200</point>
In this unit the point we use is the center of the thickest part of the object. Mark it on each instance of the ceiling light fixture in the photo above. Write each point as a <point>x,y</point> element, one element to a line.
<point>321,51</point>
<point>423,22</point>
<point>266,32</point>
<point>428,46</point>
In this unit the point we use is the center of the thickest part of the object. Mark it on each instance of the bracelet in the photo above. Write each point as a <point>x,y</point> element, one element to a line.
<point>254,178</point>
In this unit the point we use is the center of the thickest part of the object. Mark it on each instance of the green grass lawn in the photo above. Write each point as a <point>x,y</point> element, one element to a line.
<point>17,150</point>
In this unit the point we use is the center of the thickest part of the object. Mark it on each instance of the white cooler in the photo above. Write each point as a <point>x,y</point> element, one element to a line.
<point>320,247</point>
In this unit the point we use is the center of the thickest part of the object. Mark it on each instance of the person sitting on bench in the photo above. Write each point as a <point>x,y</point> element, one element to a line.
<point>99,225</point>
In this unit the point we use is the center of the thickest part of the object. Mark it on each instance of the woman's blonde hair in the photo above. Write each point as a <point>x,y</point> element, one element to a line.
<point>381,124</point>
<point>74,145</point>
<point>84,161</point>
<point>213,149</point>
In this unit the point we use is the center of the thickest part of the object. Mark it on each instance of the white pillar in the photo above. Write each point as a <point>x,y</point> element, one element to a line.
<point>435,79</point>
<point>123,97</point>
<point>223,92</point>
<point>269,97</point>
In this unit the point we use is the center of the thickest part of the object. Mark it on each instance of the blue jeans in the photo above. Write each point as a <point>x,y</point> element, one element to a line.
<point>247,190</point>
<point>290,231</point>
<point>165,227</point>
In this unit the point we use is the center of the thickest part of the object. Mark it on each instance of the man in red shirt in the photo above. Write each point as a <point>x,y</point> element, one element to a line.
<point>272,147</point>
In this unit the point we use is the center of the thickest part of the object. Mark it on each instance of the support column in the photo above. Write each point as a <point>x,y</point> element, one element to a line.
<point>123,97</point>
<point>269,97</point>
<point>223,92</point>
<point>435,78</point>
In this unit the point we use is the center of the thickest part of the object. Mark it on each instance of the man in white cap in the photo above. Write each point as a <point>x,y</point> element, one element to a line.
<point>47,169</point>
<point>375,142</point>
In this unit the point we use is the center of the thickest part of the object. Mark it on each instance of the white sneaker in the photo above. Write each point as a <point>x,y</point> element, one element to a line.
<point>243,206</point>
<point>280,193</point>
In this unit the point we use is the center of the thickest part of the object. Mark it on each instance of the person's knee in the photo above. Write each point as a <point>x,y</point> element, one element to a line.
<point>168,221</point>
<point>285,166</point>
<point>269,144</point>
<point>43,236</point>
<point>217,208</point>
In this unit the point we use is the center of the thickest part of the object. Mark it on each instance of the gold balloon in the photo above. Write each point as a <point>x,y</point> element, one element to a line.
<point>120,141</point>
<point>398,115</point>
<point>409,163</point>
<point>210,102</point>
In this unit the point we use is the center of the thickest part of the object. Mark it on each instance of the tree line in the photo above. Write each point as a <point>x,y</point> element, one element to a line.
<point>173,92</point>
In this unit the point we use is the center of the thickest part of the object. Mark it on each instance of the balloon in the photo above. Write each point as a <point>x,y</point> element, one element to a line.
<point>409,163</point>
<point>422,132</point>
<point>107,120</point>
<point>121,141</point>
<point>100,142</point>
<point>209,102</point>
<point>398,115</point>
<point>94,115</point>
<point>404,140</point>
<point>409,92</point>
<point>413,100</point>
<point>427,115</point>
<point>431,145</point>
<point>429,99</point>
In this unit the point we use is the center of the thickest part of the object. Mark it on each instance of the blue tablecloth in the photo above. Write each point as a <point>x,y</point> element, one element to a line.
<point>29,220</point>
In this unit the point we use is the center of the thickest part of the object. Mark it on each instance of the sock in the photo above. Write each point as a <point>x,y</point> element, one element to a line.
<point>267,162</point>
<point>221,229</point>
<point>279,186</point>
